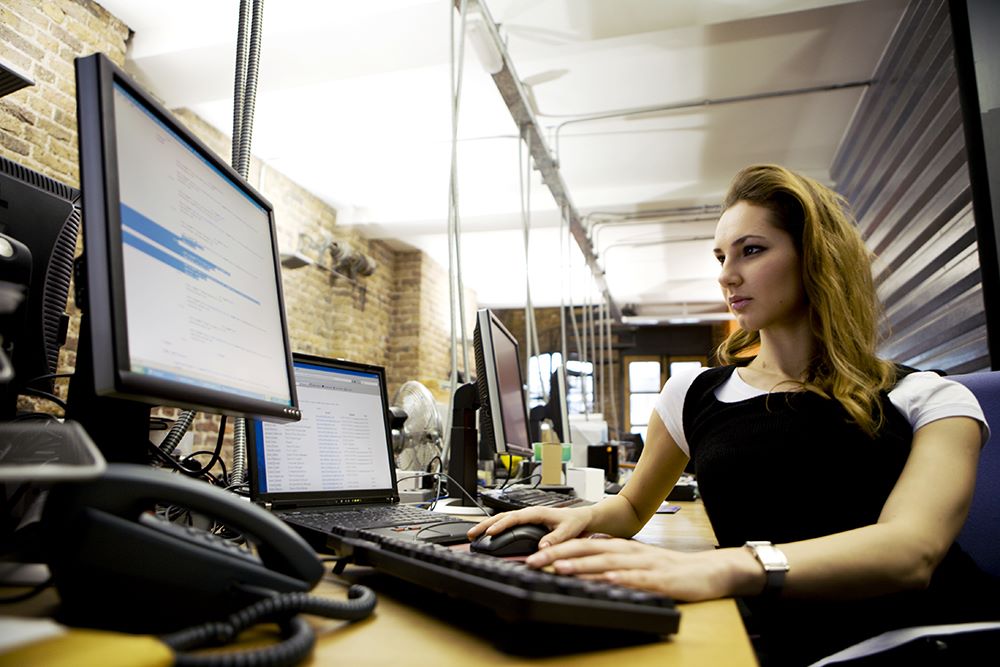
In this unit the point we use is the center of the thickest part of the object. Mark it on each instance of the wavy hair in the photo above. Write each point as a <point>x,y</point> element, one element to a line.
<point>843,308</point>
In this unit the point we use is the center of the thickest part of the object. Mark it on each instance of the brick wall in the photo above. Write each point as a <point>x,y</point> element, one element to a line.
<point>398,317</point>
<point>421,328</point>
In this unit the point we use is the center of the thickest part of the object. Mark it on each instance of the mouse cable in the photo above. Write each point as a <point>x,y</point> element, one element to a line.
<point>27,595</point>
<point>298,637</point>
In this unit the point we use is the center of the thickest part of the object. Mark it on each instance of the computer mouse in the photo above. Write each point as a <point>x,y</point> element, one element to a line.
<point>521,540</point>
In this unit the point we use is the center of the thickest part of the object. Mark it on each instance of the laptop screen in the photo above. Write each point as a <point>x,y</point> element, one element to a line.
<point>341,449</point>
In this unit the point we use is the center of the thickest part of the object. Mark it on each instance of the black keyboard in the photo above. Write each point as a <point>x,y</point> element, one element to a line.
<point>513,591</point>
<point>519,497</point>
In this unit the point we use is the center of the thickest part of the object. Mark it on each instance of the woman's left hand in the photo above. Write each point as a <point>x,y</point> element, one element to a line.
<point>689,577</point>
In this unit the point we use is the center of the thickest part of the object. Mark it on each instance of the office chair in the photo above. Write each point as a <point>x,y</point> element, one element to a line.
<point>980,535</point>
<point>980,538</point>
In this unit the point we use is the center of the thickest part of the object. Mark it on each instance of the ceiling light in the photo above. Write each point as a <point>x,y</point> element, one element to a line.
<point>480,38</point>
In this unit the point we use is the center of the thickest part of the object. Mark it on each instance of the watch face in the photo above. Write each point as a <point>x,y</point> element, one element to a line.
<point>769,556</point>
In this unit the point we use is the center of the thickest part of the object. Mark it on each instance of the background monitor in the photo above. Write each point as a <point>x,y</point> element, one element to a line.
<point>588,429</point>
<point>503,412</point>
<point>183,304</point>
<point>44,215</point>
<point>556,410</point>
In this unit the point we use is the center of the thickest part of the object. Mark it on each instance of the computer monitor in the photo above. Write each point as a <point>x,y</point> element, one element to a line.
<point>183,303</point>
<point>44,215</point>
<point>503,410</point>
<point>498,397</point>
<point>554,409</point>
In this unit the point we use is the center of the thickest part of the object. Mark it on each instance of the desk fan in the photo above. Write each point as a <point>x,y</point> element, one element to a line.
<point>419,440</point>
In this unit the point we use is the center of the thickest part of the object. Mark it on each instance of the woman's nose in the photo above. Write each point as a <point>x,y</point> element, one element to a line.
<point>727,276</point>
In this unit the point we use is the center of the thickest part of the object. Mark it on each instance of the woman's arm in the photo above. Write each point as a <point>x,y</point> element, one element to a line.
<point>659,467</point>
<point>921,518</point>
<point>623,515</point>
<point>918,523</point>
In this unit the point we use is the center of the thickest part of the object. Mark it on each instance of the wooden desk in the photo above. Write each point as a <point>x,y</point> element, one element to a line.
<point>711,633</point>
<point>404,631</point>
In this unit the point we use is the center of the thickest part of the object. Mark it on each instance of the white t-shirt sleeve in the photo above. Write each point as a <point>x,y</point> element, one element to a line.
<point>670,404</point>
<point>925,397</point>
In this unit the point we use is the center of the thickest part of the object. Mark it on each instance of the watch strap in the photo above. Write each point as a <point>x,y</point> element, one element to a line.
<point>775,565</point>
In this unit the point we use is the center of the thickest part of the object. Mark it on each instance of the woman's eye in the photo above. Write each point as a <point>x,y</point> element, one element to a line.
<point>752,250</point>
<point>720,259</point>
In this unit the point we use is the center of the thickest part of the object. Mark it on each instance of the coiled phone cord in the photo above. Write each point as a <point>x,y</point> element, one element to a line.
<point>298,636</point>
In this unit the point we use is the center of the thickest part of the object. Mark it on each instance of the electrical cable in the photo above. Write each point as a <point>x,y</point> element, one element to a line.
<point>298,637</point>
<point>564,261</point>
<point>239,469</point>
<point>611,370</point>
<point>239,88</point>
<point>532,349</point>
<point>452,479</point>
<point>455,282</point>
<point>38,393</point>
<point>244,102</point>
<point>27,595</point>
<point>177,431</point>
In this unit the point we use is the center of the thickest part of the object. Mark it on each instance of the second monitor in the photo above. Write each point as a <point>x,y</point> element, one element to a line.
<point>498,395</point>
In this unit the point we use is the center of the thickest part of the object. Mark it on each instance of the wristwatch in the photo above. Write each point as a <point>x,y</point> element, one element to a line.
<point>775,566</point>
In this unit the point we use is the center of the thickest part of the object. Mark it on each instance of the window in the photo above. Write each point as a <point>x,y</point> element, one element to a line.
<point>644,377</point>
<point>579,377</point>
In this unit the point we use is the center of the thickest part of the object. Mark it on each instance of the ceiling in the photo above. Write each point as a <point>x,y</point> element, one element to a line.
<point>354,104</point>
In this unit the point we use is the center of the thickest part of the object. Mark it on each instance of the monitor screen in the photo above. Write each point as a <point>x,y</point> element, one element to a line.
<point>184,303</point>
<point>340,449</point>
<point>503,408</point>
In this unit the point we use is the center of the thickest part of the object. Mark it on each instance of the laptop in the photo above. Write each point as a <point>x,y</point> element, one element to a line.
<point>333,473</point>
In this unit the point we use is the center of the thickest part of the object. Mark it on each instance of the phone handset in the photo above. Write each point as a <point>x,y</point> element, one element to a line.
<point>108,553</point>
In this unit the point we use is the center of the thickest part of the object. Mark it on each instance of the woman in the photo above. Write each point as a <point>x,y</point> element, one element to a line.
<point>859,472</point>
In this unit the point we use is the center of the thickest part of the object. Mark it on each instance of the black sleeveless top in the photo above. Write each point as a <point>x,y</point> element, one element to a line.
<point>789,466</point>
<point>797,469</point>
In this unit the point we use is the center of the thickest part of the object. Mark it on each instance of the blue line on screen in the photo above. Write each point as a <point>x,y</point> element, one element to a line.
<point>132,219</point>
<point>128,238</point>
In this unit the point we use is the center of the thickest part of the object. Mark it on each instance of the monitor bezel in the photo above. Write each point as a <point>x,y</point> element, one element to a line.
<point>104,308</point>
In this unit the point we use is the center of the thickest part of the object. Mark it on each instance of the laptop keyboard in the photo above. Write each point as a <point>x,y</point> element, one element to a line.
<point>364,518</point>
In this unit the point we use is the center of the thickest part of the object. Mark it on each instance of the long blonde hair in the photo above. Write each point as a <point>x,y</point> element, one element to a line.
<point>836,273</point>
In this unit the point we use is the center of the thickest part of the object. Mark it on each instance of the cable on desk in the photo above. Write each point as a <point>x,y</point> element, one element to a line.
<point>298,636</point>
<point>443,475</point>
<point>27,595</point>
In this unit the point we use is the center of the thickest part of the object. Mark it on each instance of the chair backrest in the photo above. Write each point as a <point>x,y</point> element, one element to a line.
<point>980,536</point>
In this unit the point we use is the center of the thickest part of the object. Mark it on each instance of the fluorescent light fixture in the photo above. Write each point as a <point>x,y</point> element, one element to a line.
<point>691,318</point>
<point>480,38</point>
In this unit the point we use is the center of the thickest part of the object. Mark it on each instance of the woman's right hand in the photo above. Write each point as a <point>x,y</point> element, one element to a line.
<point>563,523</point>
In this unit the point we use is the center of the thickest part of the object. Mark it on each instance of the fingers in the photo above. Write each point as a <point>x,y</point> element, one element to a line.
<point>580,555</point>
<point>501,522</point>
<point>481,527</point>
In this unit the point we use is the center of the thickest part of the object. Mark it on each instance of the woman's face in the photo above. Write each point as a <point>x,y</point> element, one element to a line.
<point>761,274</point>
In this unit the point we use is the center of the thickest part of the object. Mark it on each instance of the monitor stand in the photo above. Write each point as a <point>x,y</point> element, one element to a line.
<point>119,428</point>
<point>463,460</point>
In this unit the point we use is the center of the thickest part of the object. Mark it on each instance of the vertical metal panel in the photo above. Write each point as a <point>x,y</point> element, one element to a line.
<point>903,167</point>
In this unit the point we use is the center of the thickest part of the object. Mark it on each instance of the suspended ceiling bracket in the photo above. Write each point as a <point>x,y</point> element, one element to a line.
<point>516,99</point>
